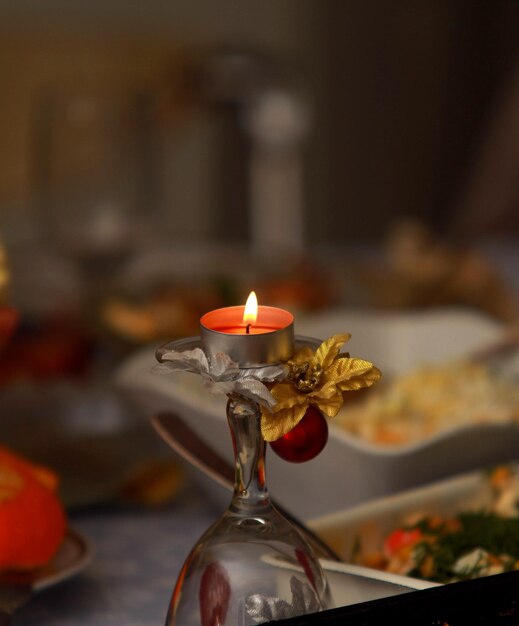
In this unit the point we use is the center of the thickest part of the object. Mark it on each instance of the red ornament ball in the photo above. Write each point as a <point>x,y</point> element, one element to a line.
<point>304,441</point>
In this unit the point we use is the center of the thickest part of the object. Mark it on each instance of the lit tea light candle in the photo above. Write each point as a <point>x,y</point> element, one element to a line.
<point>251,335</point>
<point>250,315</point>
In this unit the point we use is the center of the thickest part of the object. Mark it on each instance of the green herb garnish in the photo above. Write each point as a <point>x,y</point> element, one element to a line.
<point>496,535</point>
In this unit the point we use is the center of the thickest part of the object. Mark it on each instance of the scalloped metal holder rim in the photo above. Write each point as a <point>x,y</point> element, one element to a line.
<point>190,343</point>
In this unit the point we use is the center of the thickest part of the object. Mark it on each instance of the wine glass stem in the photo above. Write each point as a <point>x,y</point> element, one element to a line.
<point>251,495</point>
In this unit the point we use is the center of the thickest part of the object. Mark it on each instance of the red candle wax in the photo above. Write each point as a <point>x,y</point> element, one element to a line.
<point>270,338</point>
<point>230,320</point>
<point>253,329</point>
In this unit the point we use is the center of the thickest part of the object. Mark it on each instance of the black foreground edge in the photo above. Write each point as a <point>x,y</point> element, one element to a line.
<point>489,601</point>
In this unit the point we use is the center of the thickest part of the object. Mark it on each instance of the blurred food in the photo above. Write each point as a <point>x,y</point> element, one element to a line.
<point>8,321</point>
<point>165,312</point>
<point>171,307</point>
<point>421,270</point>
<point>32,520</point>
<point>469,544</point>
<point>430,399</point>
<point>49,349</point>
<point>305,287</point>
<point>153,483</point>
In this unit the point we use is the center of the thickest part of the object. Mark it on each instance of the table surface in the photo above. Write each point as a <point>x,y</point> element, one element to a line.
<point>137,554</point>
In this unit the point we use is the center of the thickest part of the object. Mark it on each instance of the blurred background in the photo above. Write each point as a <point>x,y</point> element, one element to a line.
<point>390,106</point>
<point>161,159</point>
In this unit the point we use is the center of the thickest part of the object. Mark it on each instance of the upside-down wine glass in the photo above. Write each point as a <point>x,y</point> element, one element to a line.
<point>252,565</point>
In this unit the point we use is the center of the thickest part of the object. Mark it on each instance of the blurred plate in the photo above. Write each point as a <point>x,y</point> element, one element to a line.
<point>186,262</point>
<point>351,584</point>
<point>73,556</point>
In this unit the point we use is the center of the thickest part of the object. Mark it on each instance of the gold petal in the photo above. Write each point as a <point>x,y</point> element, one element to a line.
<point>286,396</point>
<point>326,391</point>
<point>330,406</point>
<point>361,381</point>
<point>345,368</point>
<point>275,425</point>
<point>303,355</point>
<point>329,349</point>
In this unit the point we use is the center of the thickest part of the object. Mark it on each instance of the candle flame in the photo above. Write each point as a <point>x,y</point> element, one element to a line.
<point>251,309</point>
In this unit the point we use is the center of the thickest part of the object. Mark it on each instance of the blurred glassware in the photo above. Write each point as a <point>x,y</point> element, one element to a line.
<point>277,123</point>
<point>93,171</point>
<point>272,112</point>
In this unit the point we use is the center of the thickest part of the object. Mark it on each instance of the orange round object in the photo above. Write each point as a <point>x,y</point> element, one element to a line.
<point>32,520</point>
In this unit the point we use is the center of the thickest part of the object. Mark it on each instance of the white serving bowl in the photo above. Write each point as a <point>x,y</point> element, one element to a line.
<point>349,470</point>
<point>351,584</point>
<point>400,341</point>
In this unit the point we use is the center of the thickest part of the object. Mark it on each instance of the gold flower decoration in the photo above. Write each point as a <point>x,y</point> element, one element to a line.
<point>317,379</point>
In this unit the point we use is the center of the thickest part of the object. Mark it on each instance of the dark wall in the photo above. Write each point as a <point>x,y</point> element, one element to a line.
<point>409,87</point>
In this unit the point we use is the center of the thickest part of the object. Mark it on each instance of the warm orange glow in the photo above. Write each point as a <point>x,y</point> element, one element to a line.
<point>251,309</point>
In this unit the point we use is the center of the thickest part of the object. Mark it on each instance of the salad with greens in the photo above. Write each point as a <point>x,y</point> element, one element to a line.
<point>469,544</point>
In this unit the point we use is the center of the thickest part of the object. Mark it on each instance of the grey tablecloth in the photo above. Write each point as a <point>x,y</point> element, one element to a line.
<point>138,554</point>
